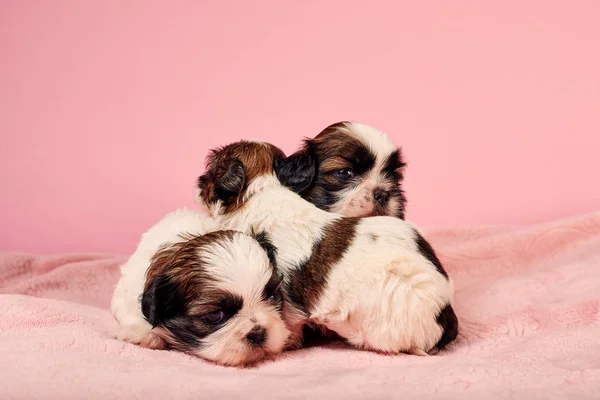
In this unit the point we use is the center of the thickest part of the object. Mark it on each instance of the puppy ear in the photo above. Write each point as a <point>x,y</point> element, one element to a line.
<point>230,180</point>
<point>160,301</point>
<point>297,171</point>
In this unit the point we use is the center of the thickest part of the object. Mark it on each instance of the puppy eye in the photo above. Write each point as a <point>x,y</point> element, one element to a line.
<point>346,173</point>
<point>274,298</point>
<point>214,317</point>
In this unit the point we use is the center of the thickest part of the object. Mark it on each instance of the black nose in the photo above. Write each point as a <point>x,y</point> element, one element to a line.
<point>381,196</point>
<point>257,336</point>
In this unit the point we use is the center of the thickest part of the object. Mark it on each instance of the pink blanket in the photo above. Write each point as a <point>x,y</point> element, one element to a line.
<point>528,300</point>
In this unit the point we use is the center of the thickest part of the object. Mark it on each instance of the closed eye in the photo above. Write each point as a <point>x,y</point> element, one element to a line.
<point>275,297</point>
<point>272,293</point>
<point>215,317</point>
<point>272,290</point>
<point>217,311</point>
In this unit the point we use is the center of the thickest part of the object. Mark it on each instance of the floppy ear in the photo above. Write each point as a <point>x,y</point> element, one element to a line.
<point>230,182</point>
<point>160,301</point>
<point>297,171</point>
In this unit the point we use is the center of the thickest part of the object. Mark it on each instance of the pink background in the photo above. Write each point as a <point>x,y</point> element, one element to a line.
<point>107,108</point>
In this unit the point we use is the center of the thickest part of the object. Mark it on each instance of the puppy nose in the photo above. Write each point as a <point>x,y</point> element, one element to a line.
<point>381,196</point>
<point>257,336</point>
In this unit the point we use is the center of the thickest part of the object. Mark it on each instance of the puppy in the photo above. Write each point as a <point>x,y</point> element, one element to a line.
<point>213,295</point>
<point>374,281</point>
<point>349,168</point>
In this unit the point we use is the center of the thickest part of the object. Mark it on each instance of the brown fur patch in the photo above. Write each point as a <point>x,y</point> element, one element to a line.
<point>231,168</point>
<point>335,141</point>
<point>183,264</point>
<point>309,280</point>
<point>335,163</point>
<point>429,253</point>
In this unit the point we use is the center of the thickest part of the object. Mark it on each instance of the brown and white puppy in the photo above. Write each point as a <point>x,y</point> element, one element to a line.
<point>374,281</point>
<point>214,295</point>
<point>349,168</point>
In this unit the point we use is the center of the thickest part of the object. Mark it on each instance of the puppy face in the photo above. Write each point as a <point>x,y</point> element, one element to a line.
<point>218,297</point>
<point>231,170</point>
<point>349,168</point>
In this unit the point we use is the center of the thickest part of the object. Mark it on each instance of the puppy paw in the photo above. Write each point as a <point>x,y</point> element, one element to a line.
<point>153,341</point>
<point>141,337</point>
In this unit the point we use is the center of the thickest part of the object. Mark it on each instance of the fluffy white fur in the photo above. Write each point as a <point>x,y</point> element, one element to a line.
<point>382,295</point>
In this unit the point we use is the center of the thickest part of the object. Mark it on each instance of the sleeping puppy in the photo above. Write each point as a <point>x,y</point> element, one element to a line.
<point>350,169</point>
<point>213,295</point>
<point>374,281</point>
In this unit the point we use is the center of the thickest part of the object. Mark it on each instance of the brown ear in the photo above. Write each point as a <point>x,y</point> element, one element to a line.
<point>230,180</point>
<point>225,182</point>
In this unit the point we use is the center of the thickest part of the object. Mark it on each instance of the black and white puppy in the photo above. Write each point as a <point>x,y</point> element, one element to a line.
<point>210,293</point>
<point>349,168</point>
<point>374,281</point>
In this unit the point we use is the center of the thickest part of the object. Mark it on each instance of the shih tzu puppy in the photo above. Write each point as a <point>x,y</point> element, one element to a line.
<point>210,293</point>
<point>374,281</point>
<point>351,169</point>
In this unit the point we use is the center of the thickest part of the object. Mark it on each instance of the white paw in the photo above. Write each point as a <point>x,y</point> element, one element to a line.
<point>141,336</point>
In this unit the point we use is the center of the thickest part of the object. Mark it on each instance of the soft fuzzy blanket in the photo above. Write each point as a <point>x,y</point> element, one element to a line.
<point>527,299</point>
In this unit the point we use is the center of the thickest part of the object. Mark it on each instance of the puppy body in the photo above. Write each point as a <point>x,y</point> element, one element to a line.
<point>374,281</point>
<point>207,292</point>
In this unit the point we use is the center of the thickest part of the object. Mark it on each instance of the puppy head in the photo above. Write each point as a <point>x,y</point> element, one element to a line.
<point>349,168</point>
<point>229,172</point>
<point>216,296</point>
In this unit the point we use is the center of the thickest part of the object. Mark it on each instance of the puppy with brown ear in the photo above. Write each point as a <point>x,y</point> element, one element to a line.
<point>374,281</point>
<point>349,168</point>
<point>206,292</point>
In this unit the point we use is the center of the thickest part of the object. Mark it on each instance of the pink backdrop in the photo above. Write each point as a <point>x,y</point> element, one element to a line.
<point>108,107</point>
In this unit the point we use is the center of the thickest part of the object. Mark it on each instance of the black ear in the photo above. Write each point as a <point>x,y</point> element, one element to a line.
<point>297,171</point>
<point>230,182</point>
<point>160,300</point>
